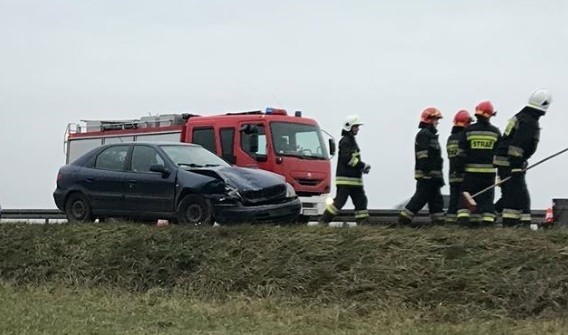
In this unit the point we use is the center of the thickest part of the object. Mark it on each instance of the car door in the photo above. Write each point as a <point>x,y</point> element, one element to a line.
<point>105,182</point>
<point>148,192</point>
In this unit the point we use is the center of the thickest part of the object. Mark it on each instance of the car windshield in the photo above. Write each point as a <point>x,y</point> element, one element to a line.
<point>192,156</point>
<point>298,140</point>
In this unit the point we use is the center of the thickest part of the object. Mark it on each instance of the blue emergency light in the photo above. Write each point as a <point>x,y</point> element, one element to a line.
<point>275,111</point>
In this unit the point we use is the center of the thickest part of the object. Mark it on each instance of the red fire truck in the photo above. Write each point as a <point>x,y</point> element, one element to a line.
<point>292,146</point>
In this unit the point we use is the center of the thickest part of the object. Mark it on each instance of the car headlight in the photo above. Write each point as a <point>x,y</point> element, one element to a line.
<point>290,192</point>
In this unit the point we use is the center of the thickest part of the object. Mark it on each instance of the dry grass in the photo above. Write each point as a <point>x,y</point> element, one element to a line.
<point>55,310</point>
<point>447,274</point>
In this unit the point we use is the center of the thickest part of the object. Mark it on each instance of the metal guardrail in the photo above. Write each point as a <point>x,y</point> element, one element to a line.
<point>384,216</point>
<point>376,216</point>
<point>33,214</point>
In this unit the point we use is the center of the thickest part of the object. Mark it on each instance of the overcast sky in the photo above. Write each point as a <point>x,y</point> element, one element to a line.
<point>63,61</point>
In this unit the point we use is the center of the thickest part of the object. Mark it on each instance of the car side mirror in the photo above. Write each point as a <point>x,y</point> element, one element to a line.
<point>331,146</point>
<point>160,169</point>
<point>252,131</point>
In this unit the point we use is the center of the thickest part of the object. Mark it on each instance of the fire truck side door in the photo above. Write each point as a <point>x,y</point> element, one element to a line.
<point>251,148</point>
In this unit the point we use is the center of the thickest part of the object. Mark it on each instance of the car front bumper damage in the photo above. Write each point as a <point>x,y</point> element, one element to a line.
<point>236,212</point>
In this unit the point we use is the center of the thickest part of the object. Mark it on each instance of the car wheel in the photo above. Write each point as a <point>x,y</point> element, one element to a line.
<point>78,209</point>
<point>195,210</point>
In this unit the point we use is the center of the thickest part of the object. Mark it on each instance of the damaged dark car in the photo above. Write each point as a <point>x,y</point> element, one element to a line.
<point>184,183</point>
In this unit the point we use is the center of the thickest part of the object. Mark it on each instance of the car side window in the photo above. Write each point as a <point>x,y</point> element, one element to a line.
<point>112,158</point>
<point>144,157</point>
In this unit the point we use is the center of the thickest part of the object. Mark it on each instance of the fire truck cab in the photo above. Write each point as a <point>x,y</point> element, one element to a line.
<point>272,140</point>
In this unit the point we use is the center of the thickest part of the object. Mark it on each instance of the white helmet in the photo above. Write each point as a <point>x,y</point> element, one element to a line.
<point>350,121</point>
<point>540,99</point>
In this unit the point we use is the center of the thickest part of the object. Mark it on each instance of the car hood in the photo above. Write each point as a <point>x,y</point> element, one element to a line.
<point>243,179</point>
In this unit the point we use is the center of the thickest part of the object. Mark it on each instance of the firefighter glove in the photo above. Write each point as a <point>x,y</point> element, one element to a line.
<point>367,168</point>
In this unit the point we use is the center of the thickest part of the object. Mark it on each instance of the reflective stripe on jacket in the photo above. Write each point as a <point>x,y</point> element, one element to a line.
<point>349,163</point>
<point>455,155</point>
<point>428,155</point>
<point>479,143</point>
<point>520,139</point>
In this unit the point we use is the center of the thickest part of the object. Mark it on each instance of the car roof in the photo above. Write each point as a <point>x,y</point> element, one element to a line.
<point>154,143</point>
<point>95,151</point>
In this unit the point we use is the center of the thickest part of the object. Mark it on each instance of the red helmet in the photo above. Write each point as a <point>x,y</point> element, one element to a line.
<point>430,114</point>
<point>462,118</point>
<point>485,108</point>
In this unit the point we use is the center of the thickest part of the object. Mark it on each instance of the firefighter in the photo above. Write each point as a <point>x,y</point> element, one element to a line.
<point>428,171</point>
<point>462,119</point>
<point>520,141</point>
<point>478,145</point>
<point>348,176</point>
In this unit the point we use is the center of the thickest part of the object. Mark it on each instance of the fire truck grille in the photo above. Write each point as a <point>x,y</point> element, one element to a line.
<point>308,182</point>
<point>266,194</point>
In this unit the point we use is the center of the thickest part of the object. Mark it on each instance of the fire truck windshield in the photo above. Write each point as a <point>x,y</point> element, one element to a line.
<point>298,140</point>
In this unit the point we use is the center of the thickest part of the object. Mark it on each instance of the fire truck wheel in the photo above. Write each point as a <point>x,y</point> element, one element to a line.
<point>302,219</point>
<point>78,209</point>
<point>195,210</point>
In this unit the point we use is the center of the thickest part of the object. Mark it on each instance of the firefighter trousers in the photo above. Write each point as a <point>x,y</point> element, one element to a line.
<point>428,191</point>
<point>485,212</point>
<point>359,199</point>
<point>455,194</point>
<point>515,199</point>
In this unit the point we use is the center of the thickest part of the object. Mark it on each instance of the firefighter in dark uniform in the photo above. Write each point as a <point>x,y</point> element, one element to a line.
<point>428,171</point>
<point>519,143</point>
<point>479,143</point>
<point>348,176</point>
<point>462,119</point>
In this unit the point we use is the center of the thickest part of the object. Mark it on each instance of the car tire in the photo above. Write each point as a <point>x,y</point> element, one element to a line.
<point>78,209</point>
<point>195,210</point>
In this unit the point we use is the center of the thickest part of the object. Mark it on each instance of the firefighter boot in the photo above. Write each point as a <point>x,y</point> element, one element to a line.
<point>404,220</point>
<point>361,216</point>
<point>325,218</point>
<point>526,220</point>
<point>438,219</point>
<point>464,222</point>
<point>405,217</point>
<point>451,219</point>
<point>463,218</point>
<point>511,223</point>
<point>362,221</point>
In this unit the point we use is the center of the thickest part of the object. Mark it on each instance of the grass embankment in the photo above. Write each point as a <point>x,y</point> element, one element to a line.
<point>367,279</point>
<point>55,310</point>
